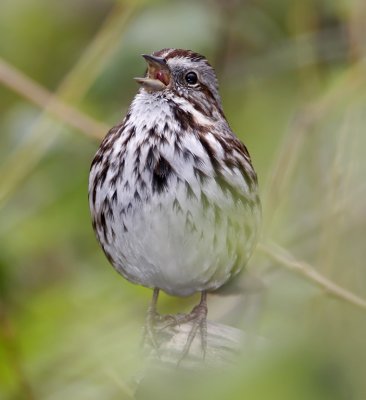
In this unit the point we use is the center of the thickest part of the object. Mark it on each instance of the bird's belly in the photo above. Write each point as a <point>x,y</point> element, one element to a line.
<point>177,246</point>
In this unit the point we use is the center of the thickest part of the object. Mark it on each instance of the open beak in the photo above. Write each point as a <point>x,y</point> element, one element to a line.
<point>158,74</point>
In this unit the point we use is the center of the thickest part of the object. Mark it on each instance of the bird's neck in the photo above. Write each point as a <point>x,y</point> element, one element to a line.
<point>165,111</point>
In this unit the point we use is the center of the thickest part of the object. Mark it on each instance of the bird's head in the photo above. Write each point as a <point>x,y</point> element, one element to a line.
<point>184,73</point>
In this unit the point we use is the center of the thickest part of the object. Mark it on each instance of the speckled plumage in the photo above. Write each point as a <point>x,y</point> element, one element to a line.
<point>172,191</point>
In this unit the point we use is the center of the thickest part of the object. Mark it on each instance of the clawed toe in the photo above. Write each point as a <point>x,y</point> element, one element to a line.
<point>198,317</point>
<point>156,324</point>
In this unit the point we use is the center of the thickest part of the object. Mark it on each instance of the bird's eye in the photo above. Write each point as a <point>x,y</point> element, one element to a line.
<point>191,78</point>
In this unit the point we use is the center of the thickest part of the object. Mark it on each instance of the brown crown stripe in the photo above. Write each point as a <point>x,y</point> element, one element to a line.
<point>168,53</point>
<point>185,53</point>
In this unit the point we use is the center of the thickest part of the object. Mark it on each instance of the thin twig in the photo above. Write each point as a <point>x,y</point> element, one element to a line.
<point>287,260</point>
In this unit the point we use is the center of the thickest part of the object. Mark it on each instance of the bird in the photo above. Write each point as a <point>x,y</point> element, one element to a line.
<point>173,194</point>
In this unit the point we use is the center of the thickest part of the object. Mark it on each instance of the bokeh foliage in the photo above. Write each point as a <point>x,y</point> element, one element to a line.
<point>293,82</point>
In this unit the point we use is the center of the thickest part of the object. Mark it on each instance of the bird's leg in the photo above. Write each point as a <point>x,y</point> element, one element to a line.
<point>151,315</point>
<point>198,317</point>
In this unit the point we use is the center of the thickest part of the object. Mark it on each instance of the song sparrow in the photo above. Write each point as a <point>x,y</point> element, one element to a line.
<point>173,194</point>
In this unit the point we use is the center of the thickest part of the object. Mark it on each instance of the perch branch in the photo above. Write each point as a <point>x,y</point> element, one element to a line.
<point>224,345</point>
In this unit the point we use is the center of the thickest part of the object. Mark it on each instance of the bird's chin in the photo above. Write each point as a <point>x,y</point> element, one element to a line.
<point>150,84</point>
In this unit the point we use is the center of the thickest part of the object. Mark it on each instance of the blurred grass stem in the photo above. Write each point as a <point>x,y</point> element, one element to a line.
<point>289,151</point>
<point>73,88</point>
<point>40,96</point>
<point>284,258</point>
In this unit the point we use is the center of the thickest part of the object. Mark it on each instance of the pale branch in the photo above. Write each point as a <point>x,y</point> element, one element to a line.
<point>40,96</point>
<point>284,258</point>
<point>225,344</point>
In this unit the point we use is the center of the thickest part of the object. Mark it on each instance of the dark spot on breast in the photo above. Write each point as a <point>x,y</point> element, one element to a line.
<point>150,158</point>
<point>161,174</point>
<point>137,196</point>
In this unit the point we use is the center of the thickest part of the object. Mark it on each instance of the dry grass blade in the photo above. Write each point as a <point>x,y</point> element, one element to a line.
<point>98,53</point>
<point>284,258</point>
<point>73,88</point>
<point>37,94</point>
<point>286,160</point>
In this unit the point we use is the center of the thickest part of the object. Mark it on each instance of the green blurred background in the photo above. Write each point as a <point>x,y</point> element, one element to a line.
<point>293,81</point>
